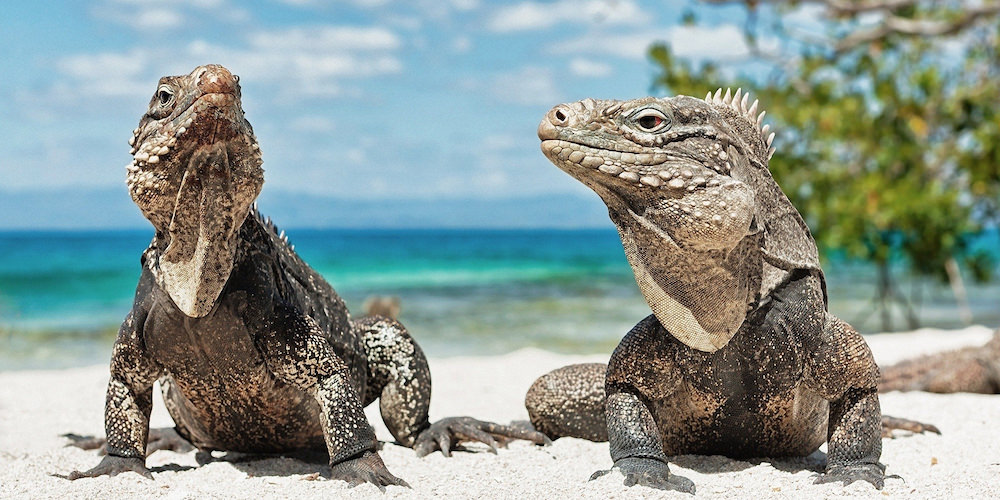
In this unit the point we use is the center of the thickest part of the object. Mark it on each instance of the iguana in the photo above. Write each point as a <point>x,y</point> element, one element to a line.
<point>254,350</point>
<point>971,369</point>
<point>740,356</point>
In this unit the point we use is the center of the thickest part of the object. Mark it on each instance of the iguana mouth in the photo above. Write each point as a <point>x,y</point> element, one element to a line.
<point>650,170</point>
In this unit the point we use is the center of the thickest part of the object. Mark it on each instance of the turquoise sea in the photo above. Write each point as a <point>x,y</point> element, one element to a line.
<point>63,294</point>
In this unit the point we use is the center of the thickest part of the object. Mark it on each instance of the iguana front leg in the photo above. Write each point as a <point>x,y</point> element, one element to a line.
<point>297,352</point>
<point>128,404</point>
<point>635,441</point>
<point>842,369</point>
<point>400,378</point>
<point>635,444</point>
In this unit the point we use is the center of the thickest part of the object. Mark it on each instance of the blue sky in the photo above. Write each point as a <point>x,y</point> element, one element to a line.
<point>367,99</point>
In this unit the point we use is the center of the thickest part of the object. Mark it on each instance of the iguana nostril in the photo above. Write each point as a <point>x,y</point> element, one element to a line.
<point>560,116</point>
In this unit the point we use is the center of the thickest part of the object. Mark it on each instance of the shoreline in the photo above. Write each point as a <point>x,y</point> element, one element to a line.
<point>36,406</point>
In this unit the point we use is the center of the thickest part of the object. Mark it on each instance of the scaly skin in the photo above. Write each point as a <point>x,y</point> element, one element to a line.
<point>254,350</point>
<point>972,369</point>
<point>740,356</point>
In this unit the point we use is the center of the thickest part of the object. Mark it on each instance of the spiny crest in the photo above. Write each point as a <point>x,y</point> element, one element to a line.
<point>738,102</point>
<point>270,226</point>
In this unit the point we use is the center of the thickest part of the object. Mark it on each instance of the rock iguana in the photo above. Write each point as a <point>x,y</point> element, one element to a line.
<point>740,356</point>
<point>254,350</point>
<point>970,369</point>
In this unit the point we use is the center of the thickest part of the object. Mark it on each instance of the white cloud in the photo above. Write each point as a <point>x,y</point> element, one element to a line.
<point>630,46</point>
<point>325,38</point>
<point>298,3</point>
<point>696,42</point>
<point>464,5</point>
<point>588,68</point>
<point>157,18</point>
<point>531,86</point>
<point>304,62</point>
<point>721,41</point>
<point>105,74</point>
<point>156,15</point>
<point>299,62</point>
<point>427,9</point>
<point>534,15</point>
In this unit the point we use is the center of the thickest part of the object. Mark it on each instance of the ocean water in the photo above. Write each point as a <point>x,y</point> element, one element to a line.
<point>63,294</point>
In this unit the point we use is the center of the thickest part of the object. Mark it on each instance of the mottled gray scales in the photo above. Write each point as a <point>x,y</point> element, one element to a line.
<point>576,392</point>
<point>396,377</point>
<point>254,350</point>
<point>740,357</point>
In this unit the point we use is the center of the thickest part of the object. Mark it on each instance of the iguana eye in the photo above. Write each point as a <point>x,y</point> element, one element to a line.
<point>164,95</point>
<point>651,120</point>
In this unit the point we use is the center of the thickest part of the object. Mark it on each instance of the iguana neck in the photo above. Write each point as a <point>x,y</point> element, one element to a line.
<point>700,297</point>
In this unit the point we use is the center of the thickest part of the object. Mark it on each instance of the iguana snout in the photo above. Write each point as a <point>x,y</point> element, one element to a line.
<point>195,173</point>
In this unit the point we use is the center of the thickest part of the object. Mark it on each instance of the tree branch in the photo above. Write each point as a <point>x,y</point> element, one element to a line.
<point>892,24</point>
<point>915,27</point>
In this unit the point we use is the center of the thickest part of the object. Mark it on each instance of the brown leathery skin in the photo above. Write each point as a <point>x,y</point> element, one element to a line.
<point>971,369</point>
<point>254,350</point>
<point>740,357</point>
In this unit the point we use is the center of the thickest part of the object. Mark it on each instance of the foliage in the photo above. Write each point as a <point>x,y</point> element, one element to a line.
<point>888,131</point>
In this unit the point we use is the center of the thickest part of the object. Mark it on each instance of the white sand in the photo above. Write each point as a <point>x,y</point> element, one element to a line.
<point>37,406</point>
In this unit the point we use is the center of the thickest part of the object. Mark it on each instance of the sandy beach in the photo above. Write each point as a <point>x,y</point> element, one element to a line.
<point>37,406</point>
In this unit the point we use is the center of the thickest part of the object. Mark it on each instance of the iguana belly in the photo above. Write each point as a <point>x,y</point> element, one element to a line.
<point>786,424</point>
<point>748,399</point>
<point>261,419</point>
<point>219,391</point>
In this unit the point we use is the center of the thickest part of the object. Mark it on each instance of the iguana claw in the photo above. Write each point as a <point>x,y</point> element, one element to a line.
<point>446,433</point>
<point>649,472</point>
<point>847,474</point>
<point>112,465</point>
<point>366,468</point>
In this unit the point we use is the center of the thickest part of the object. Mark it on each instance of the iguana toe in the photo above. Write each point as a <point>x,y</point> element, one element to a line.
<point>847,474</point>
<point>446,433</point>
<point>890,424</point>
<point>112,465</point>
<point>367,468</point>
<point>649,472</point>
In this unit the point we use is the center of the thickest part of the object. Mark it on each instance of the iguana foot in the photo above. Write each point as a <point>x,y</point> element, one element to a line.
<point>366,468</point>
<point>86,442</point>
<point>162,438</point>
<point>873,473</point>
<point>112,465</point>
<point>649,472</point>
<point>446,433</point>
<point>890,424</point>
<point>166,438</point>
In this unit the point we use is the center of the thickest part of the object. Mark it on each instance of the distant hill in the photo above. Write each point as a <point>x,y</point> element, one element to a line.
<point>111,208</point>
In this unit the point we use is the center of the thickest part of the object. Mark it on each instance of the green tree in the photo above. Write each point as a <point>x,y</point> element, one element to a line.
<point>889,129</point>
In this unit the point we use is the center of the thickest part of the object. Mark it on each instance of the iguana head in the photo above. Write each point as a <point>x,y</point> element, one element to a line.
<point>686,182</point>
<point>195,173</point>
